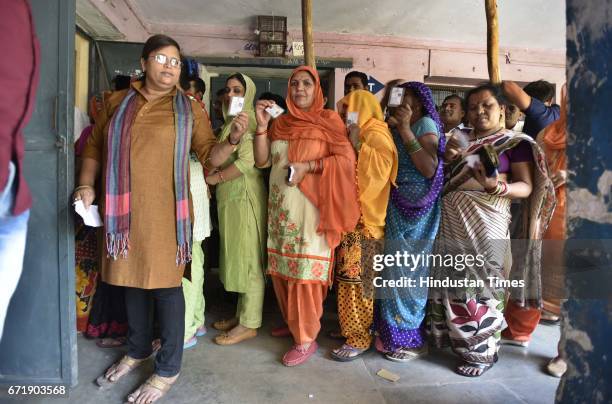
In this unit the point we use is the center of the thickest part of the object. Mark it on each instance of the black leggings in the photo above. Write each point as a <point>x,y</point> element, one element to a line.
<point>170,313</point>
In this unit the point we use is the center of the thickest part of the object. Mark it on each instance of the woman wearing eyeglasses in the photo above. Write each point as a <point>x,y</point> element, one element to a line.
<point>140,148</point>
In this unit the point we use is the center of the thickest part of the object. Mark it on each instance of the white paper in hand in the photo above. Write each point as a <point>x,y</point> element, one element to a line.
<point>236,105</point>
<point>352,118</point>
<point>91,216</point>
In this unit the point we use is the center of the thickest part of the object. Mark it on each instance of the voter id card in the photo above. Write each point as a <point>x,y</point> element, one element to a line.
<point>396,97</point>
<point>236,106</point>
<point>275,111</point>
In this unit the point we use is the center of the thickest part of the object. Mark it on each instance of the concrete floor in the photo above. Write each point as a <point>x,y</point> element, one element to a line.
<point>251,372</point>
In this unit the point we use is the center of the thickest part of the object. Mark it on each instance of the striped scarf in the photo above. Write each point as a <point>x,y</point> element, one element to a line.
<point>117,212</point>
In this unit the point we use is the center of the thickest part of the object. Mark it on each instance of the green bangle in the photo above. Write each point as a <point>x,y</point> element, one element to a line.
<point>413,146</point>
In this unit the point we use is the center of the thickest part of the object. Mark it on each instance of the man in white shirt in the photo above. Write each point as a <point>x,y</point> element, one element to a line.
<point>452,113</point>
<point>513,115</point>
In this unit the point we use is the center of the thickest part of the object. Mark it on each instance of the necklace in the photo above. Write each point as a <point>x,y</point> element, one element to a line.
<point>479,140</point>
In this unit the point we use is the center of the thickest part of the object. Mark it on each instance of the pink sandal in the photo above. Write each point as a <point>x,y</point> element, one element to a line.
<point>298,354</point>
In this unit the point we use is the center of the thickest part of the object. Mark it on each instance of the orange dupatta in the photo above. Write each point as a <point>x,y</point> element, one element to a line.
<point>321,134</point>
<point>377,163</point>
<point>553,139</point>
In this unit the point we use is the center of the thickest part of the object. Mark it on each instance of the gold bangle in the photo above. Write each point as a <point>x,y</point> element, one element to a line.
<point>83,187</point>
<point>495,190</point>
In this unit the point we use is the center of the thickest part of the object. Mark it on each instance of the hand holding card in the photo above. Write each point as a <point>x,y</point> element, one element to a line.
<point>275,111</point>
<point>396,97</point>
<point>236,106</point>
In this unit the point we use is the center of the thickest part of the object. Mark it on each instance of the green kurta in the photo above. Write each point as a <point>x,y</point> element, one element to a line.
<point>241,205</point>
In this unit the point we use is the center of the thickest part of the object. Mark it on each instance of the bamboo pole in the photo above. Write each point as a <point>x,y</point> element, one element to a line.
<point>309,55</point>
<point>492,41</point>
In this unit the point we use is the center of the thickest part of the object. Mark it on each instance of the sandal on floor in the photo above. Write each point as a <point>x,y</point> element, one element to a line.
<point>226,339</point>
<point>550,318</point>
<point>104,382</point>
<point>483,367</point>
<point>346,353</point>
<point>111,342</point>
<point>298,354</point>
<point>514,342</point>
<point>200,332</point>
<point>225,325</point>
<point>190,343</point>
<point>155,382</point>
<point>406,354</point>
<point>557,367</point>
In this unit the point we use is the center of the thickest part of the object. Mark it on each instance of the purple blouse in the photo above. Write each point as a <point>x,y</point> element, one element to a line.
<point>518,154</point>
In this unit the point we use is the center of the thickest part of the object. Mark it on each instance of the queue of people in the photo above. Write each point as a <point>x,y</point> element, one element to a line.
<point>370,179</point>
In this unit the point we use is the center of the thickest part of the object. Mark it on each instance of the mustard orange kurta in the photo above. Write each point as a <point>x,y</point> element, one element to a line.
<point>377,166</point>
<point>151,261</point>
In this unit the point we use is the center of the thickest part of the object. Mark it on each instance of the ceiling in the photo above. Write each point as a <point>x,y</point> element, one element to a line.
<point>523,23</point>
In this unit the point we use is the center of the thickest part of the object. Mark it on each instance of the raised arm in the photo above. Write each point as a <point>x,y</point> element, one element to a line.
<point>261,143</point>
<point>516,95</point>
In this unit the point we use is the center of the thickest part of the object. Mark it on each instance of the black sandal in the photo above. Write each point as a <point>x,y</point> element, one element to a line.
<point>483,367</point>
<point>351,352</point>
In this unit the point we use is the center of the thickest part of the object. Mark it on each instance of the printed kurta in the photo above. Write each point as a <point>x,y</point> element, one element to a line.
<point>295,250</point>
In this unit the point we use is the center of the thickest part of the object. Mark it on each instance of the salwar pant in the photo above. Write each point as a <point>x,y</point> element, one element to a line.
<point>301,305</point>
<point>553,272</point>
<point>355,313</point>
<point>170,313</point>
<point>250,303</point>
<point>193,290</point>
<point>521,321</point>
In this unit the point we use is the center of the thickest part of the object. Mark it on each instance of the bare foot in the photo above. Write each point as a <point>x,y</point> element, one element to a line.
<point>225,325</point>
<point>152,390</point>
